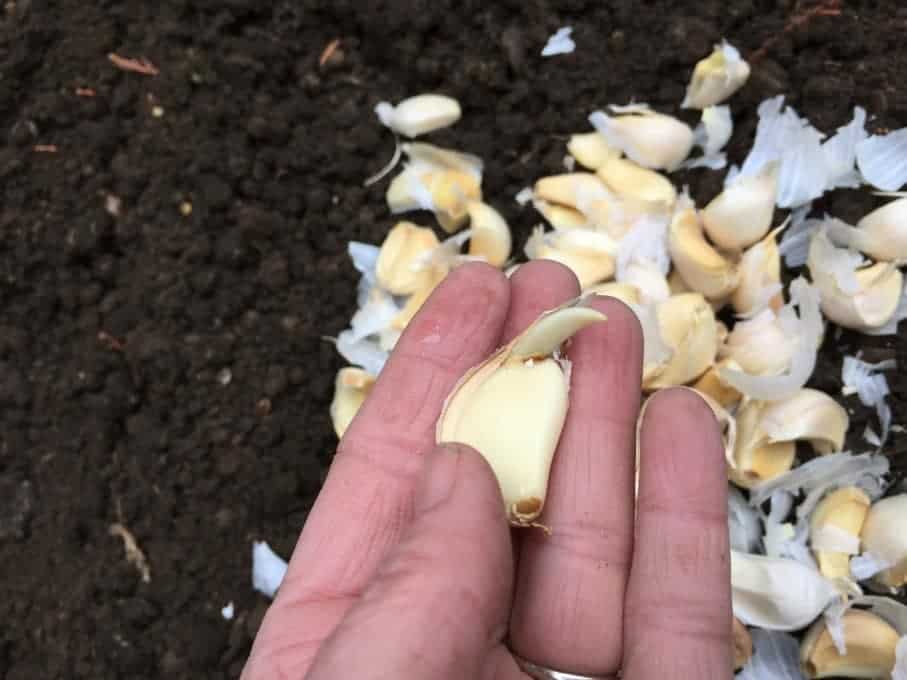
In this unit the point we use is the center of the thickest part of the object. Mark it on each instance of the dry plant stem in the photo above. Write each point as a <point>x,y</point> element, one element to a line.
<point>824,8</point>
<point>134,554</point>
<point>328,51</point>
<point>142,65</point>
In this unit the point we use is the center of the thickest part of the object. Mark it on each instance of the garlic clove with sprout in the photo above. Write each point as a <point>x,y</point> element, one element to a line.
<point>870,644</point>
<point>351,387</point>
<point>716,77</point>
<point>742,214</point>
<point>653,140</point>
<point>591,150</point>
<point>835,525</point>
<point>884,536</point>
<point>491,238</point>
<point>702,268</point>
<point>396,269</point>
<point>419,115</point>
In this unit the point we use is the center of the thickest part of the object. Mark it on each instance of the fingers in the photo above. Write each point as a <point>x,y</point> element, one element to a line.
<point>366,501</point>
<point>568,611</point>
<point>678,604</point>
<point>438,606</point>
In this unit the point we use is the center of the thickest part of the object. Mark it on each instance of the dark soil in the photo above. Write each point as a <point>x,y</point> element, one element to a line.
<point>166,371</point>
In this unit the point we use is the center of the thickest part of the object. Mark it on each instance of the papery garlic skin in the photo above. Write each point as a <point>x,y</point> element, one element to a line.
<point>742,214</point>
<point>884,535</point>
<point>870,642</point>
<point>716,77</point>
<point>419,115</point>
<point>653,140</point>
<point>351,387</point>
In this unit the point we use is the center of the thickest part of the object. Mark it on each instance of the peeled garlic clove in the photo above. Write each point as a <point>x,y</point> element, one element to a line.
<point>710,383</point>
<point>583,192</point>
<point>835,526</point>
<point>760,346</point>
<point>396,268</point>
<point>451,193</point>
<point>561,217</point>
<point>512,408</point>
<point>809,415</point>
<point>687,325</point>
<point>760,278</point>
<point>624,292</point>
<point>742,214</point>
<point>491,237</point>
<point>627,179</point>
<point>420,114</point>
<point>351,388</point>
<point>676,284</point>
<point>853,297</point>
<point>756,459</point>
<point>716,77</point>
<point>589,254</point>
<point>870,643</point>
<point>884,232</point>
<point>653,140</point>
<point>743,644</point>
<point>702,267</point>
<point>591,150</point>
<point>884,537</point>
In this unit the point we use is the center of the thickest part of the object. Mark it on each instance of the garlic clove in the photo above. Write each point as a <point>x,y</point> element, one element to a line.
<point>716,77</point>
<point>491,239</point>
<point>653,140</point>
<point>870,643</point>
<point>396,268</point>
<point>625,292</point>
<point>627,179</point>
<point>561,218</point>
<point>591,150</point>
<point>810,415</point>
<point>676,284</point>
<point>590,255</point>
<point>687,326</point>
<point>760,278</point>
<point>702,267</point>
<point>742,214</point>
<point>884,232</point>
<point>852,296</point>
<point>743,644</point>
<point>710,383</point>
<point>512,408</point>
<point>420,114</point>
<point>760,345</point>
<point>351,387</point>
<point>883,536</point>
<point>756,459</point>
<point>583,192</point>
<point>648,280</point>
<point>835,525</point>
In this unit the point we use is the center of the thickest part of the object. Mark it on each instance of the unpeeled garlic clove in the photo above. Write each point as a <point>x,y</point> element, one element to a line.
<point>420,114</point>
<point>701,267</point>
<point>351,387</point>
<point>742,214</point>
<point>711,384</point>
<point>884,537</point>
<point>716,77</point>
<point>396,268</point>
<point>687,326</point>
<point>512,408</point>
<point>591,150</point>
<point>760,278</point>
<point>853,296</point>
<point>743,644</point>
<point>491,239</point>
<point>869,640</point>
<point>884,232</point>
<point>835,526</point>
<point>653,140</point>
<point>627,179</point>
<point>589,254</point>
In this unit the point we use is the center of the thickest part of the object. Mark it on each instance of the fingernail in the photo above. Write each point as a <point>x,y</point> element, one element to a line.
<point>438,477</point>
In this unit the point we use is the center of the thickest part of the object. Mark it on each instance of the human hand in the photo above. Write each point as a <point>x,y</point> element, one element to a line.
<point>406,567</point>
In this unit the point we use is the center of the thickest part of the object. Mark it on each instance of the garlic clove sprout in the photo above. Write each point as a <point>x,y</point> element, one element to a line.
<point>702,267</point>
<point>491,239</point>
<point>397,267</point>
<point>884,537</point>
<point>742,214</point>
<point>835,525</point>
<point>420,114</point>
<point>870,648</point>
<point>716,77</point>
<point>653,140</point>
<point>351,387</point>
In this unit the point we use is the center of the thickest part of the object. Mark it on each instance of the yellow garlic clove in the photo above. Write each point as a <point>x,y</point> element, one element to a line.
<point>883,232</point>
<point>756,459</point>
<point>702,267</point>
<point>627,179</point>
<point>512,408</point>
<point>862,298</point>
<point>588,254</point>
<point>583,192</point>
<point>760,278</point>
<point>676,284</point>
<point>351,388</point>
<point>809,415</point>
<point>884,536</point>
<point>653,140</point>
<point>591,150</point>
<point>743,644</point>
<point>835,526</point>
<point>560,217</point>
<point>397,266</point>
<point>870,644</point>
<point>710,383</point>
<point>716,77</point>
<point>624,292</point>
<point>491,237</point>
<point>688,328</point>
<point>742,214</point>
<point>420,114</point>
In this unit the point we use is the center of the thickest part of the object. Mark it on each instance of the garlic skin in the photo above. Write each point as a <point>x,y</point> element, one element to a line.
<point>590,255</point>
<point>396,270</point>
<point>591,150</point>
<point>838,520</point>
<point>653,140</point>
<point>419,115</point>
<point>884,536</point>
<point>859,298</point>
<point>742,214</point>
<point>884,232</point>
<point>716,77</point>
<point>627,179</point>
<point>351,387</point>
<point>491,239</point>
<point>687,326</point>
<point>700,266</point>
<point>512,408</point>
<point>870,642</point>
<point>760,278</point>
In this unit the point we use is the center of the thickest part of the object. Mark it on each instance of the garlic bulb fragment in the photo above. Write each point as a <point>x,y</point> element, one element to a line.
<point>397,269</point>
<point>716,77</point>
<point>591,150</point>
<point>742,214</point>
<point>869,640</point>
<point>687,326</point>
<point>420,114</point>
<point>835,526</point>
<point>351,388</point>
<point>760,278</point>
<point>851,295</point>
<point>588,254</point>
<point>654,140</point>
<point>701,267</point>
<point>627,179</point>
<point>885,537</point>
<point>491,239</point>
<point>512,408</point>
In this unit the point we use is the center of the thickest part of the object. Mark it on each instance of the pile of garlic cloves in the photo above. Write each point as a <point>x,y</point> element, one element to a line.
<point>818,536</point>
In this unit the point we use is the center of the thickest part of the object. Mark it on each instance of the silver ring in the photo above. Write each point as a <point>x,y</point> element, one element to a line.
<point>541,673</point>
